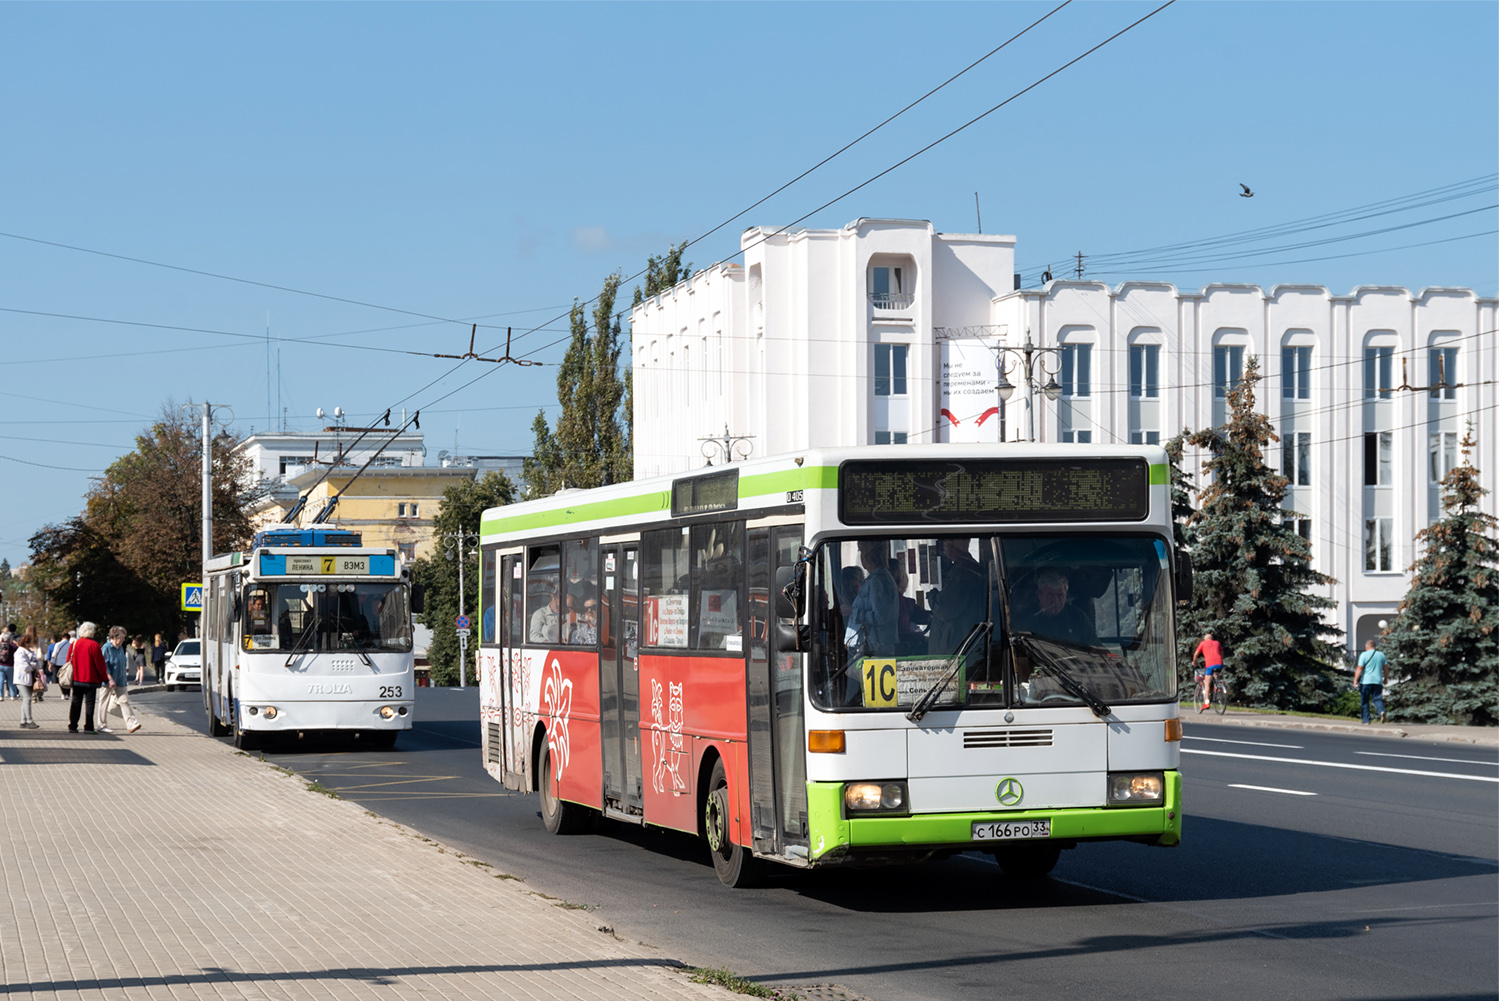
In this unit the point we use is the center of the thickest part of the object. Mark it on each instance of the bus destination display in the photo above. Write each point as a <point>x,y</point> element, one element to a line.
<point>994,490</point>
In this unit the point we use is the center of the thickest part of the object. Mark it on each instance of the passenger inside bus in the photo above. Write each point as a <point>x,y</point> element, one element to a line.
<point>959,604</point>
<point>258,614</point>
<point>544,620</point>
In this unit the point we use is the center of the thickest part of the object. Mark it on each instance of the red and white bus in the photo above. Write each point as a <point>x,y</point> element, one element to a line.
<point>846,655</point>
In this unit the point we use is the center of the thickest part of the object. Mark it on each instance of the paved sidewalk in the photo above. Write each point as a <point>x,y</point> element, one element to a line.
<point>1487,736</point>
<point>162,864</point>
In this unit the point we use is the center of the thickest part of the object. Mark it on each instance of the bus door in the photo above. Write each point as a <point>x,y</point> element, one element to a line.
<point>773,695</point>
<point>223,632</point>
<point>619,683</point>
<point>507,733</point>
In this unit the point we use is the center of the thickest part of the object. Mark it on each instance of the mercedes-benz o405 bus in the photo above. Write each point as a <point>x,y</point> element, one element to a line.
<point>846,656</point>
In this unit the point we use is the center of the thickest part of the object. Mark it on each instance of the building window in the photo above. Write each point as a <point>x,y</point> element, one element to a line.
<point>414,512</point>
<point>400,510</point>
<point>1228,368</point>
<point>1296,373</point>
<point>1145,437</point>
<point>1077,369</point>
<point>888,288</point>
<point>1077,437</point>
<point>1145,371</point>
<point>1296,457</point>
<point>294,461</point>
<point>407,550</point>
<point>1379,449</point>
<point>1298,524</point>
<point>890,369</point>
<point>1443,454</point>
<point>1443,373</point>
<point>1377,365</point>
<point>1377,544</point>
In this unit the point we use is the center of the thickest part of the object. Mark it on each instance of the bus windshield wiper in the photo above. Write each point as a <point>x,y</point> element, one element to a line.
<point>306,634</point>
<point>1051,663</point>
<point>927,700</point>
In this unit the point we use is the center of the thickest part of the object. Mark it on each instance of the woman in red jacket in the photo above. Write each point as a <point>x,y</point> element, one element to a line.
<point>89,672</point>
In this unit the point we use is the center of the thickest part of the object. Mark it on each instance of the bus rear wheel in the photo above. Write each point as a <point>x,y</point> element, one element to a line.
<point>559,816</point>
<point>736,865</point>
<point>216,727</point>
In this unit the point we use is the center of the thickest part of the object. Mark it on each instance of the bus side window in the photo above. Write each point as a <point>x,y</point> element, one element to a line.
<point>488,579</point>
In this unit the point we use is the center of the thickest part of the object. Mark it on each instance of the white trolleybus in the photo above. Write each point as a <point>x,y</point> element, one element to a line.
<point>846,656</point>
<point>307,632</point>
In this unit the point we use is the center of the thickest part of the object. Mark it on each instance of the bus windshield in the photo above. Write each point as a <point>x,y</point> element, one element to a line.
<point>310,617</point>
<point>1016,620</point>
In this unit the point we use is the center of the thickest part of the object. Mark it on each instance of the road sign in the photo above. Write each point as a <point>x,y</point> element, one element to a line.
<point>192,597</point>
<point>462,622</point>
<point>463,633</point>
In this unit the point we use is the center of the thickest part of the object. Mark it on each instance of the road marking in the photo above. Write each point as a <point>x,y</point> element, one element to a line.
<point>1343,764</point>
<point>1288,792</point>
<point>1418,757</point>
<point>1256,743</point>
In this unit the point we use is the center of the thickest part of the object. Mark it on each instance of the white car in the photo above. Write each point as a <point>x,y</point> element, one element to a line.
<point>184,665</point>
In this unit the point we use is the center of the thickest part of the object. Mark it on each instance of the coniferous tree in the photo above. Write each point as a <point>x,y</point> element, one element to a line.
<point>1444,643</point>
<point>1183,532</point>
<point>1254,572</point>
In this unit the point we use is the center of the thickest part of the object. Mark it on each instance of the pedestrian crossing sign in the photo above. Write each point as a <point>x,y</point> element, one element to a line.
<point>192,597</point>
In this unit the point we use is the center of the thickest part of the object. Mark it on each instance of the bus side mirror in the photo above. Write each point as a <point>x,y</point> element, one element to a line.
<point>238,604</point>
<point>1183,576</point>
<point>790,595</point>
<point>418,598</point>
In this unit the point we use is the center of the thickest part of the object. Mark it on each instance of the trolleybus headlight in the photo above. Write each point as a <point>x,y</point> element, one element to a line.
<point>869,797</point>
<point>401,710</point>
<point>1136,787</point>
<point>270,712</point>
<point>387,712</point>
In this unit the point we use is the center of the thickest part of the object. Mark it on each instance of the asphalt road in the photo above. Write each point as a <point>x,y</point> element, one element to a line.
<point>1318,866</point>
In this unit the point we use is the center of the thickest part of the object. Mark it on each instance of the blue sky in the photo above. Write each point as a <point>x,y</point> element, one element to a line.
<point>493,161</point>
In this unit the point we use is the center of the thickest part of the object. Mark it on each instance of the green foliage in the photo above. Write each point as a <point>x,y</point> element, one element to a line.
<point>589,446</point>
<point>462,506</point>
<point>1253,573</point>
<point>1444,642</point>
<point>1182,512</point>
<point>729,980</point>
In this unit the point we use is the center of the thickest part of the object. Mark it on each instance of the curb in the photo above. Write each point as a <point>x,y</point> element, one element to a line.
<point>1479,736</point>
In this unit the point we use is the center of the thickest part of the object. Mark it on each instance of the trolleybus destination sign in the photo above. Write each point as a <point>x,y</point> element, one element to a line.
<point>326,564</point>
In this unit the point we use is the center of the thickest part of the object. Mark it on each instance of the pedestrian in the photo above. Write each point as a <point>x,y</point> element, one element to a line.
<point>159,658</point>
<point>29,675</point>
<point>8,649</point>
<point>1370,681</point>
<point>138,660</point>
<point>60,651</point>
<point>118,662</point>
<point>89,672</point>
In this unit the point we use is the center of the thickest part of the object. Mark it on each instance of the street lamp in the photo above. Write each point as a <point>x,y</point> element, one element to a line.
<point>731,446</point>
<point>1032,362</point>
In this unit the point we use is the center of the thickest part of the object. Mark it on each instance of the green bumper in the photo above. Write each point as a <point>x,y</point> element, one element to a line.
<point>835,835</point>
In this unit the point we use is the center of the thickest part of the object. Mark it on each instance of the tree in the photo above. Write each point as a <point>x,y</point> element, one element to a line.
<point>463,504</point>
<point>123,560</point>
<point>1444,643</point>
<point>1254,572</point>
<point>1183,533</point>
<point>4,570</point>
<point>587,447</point>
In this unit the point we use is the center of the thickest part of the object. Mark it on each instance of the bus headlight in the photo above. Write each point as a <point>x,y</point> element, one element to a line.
<point>387,712</point>
<point>401,710</point>
<point>1136,788</point>
<point>870,797</point>
<point>269,712</point>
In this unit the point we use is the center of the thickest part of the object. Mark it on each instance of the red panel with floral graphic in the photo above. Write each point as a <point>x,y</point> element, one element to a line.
<point>568,704</point>
<point>687,704</point>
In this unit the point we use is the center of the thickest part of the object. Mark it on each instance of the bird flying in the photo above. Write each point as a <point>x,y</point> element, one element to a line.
<point>1246,193</point>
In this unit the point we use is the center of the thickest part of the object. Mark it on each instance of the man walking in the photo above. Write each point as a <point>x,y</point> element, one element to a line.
<point>8,646</point>
<point>1370,681</point>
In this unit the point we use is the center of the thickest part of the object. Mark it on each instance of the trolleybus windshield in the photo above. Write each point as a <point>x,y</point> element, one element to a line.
<point>1007,621</point>
<point>373,617</point>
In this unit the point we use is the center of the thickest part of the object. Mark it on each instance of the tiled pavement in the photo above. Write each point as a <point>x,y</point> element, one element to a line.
<point>162,864</point>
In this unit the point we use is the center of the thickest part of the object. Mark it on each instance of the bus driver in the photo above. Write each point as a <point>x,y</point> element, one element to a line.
<point>1054,617</point>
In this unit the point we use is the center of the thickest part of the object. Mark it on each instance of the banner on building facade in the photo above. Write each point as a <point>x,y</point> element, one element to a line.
<point>969,407</point>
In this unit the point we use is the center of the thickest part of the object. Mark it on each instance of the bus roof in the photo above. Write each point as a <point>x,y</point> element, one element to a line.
<point>780,481</point>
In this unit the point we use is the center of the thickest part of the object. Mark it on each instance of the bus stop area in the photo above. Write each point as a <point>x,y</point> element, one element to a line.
<point>164,864</point>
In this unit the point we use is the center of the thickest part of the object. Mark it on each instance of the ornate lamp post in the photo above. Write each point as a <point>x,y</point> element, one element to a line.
<point>1032,363</point>
<point>731,446</point>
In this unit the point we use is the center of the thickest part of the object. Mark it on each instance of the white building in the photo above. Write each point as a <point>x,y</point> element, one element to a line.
<point>887,331</point>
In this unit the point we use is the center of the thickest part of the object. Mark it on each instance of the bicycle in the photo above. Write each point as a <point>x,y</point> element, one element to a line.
<point>1217,696</point>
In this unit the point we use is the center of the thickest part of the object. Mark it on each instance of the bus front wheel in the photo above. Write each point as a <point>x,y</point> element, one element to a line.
<point>559,816</point>
<point>736,865</point>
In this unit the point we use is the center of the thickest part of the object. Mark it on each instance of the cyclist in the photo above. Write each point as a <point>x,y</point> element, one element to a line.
<point>1211,652</point>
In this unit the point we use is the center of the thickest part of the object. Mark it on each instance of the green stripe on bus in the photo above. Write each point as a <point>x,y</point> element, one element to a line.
<point>810,478</point>
<point>1160,475</point>
<point>619,508</point>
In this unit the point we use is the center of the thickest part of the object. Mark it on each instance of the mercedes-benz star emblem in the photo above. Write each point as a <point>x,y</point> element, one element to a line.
<point>1009,792</point>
